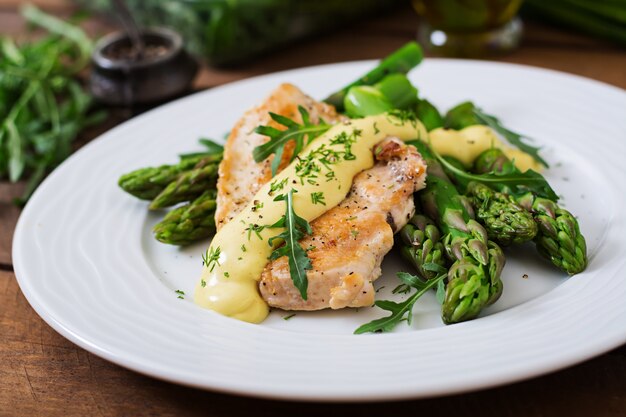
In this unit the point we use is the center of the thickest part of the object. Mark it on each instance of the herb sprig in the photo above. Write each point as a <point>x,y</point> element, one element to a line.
<point>404,310</point>
<point>300,133</point>
<point>295,229</point>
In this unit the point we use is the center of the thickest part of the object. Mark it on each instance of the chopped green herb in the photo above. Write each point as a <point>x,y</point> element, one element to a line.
<point>202,283</point>
<point>243,248</point>
<point>289,316</point>
<point>318,198</point>
<point>354,233</point>
<point>277,185</point>
<point>256,229</point>
<point>401,289</point>
<point>211,258</point>
<point>257,205</point>
<point>226,274</point>
<point>181,294</point>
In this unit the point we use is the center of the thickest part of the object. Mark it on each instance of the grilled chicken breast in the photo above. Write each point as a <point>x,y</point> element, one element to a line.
<point>349,241</point>
<point>240,177</point>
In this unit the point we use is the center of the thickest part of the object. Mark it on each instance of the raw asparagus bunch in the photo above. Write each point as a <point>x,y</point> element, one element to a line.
<point>558,237</point>
<point>474,276</point>
<point>421,245</point>
<point>188,223</point>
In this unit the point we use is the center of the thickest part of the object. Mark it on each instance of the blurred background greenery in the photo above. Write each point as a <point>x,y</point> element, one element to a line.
<point>230,31</point>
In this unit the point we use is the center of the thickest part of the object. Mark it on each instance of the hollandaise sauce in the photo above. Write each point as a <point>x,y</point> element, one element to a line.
<point>466,144</point>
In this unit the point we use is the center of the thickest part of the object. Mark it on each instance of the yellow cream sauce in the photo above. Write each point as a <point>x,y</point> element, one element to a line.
<point>466,144</point>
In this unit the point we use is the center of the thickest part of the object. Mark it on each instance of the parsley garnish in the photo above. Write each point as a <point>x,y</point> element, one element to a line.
<point>211,257</point>
<point>400,311</point>
<point>257,205</point>
<point>295,229</point>
<point>310,166</point>
<point>202,283</point>
<point>180,294</point>
<point>277,185</point>
<point>289,316</point>
<point>300,133</point>
<point>318,198</point>
<point>256,229</point>
<point>243,248</point>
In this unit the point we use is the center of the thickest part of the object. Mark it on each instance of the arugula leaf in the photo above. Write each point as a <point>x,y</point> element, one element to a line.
<point>513,138</point>
<point>295,229</point>
<point>399,310</point>
<point>302,134</point>
<point>515,181</point>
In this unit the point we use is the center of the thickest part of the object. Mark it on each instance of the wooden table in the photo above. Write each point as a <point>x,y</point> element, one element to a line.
<point>41,373</point>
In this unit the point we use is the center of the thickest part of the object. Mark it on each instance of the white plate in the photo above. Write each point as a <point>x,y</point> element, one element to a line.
<point>85,258</point>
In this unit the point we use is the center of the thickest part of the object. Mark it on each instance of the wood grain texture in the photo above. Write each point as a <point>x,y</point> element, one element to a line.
<point>43,374</point>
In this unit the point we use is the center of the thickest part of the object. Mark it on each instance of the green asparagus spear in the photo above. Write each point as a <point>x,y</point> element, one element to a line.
<point>189,223</point>
<point>506,221</point>
<point>395,91</point>
<point>428,114</point>
<point>421,245</point>
<point>147,183</point>
<point>365,100</point>
<point>474,277</point>
<point>189,185</point>
<point>401,61</point>
<point>558,238</point>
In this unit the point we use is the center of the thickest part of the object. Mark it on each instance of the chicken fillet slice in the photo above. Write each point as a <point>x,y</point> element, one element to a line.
<point>240,177</point>
<point>349,241</point>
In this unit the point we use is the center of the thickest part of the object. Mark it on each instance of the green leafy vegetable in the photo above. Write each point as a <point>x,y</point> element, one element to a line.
<point>400,311</point>
<point>42,105</point>
<point>518,181</point>
<point>300,133</point>
<point>295,229</point>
